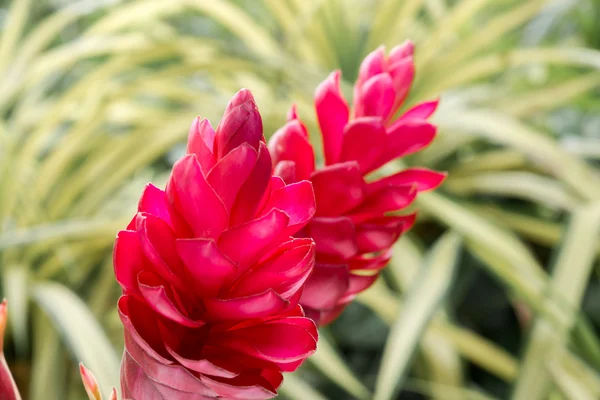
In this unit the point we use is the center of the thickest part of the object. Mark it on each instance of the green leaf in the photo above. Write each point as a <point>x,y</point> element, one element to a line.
<point>544,151</point>
<point>571,273</point>
<point>47,369</point>
<point>569,384</point>
<point>16,291</point>
<point>80,332</point>
<point>518,184</point>
<point>469,345</point>
<point>330,363</point>
<point>295,388</point>
<point>421,304</point>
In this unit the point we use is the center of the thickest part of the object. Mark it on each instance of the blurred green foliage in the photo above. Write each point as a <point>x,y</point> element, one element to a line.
<point>494,294</point>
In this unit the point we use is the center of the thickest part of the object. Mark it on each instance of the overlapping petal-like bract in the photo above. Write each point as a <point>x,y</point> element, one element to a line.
<point>353,228</point>
<point>211,276</point>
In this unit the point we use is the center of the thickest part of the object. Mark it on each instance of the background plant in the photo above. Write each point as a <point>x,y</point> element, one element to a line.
<point>96,98</point>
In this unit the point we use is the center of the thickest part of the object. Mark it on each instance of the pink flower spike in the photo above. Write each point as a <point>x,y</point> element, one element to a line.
<point>8,387</point>
<point>211,278</point>
<point>357,221</point>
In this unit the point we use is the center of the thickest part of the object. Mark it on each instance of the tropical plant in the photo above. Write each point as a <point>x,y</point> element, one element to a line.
<point>492,295</point>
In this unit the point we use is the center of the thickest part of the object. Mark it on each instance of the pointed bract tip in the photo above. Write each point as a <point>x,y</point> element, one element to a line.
<point>113,394</point>
<point>241,123</point>
<point>330,85</point>
<point>335,77</point>
<point>89,383</point>
<point>243,96</point>
<point>403,50</point>
<point>293,113</point>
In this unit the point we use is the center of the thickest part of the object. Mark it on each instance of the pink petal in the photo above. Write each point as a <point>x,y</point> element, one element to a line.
<point>422,178</point>
<point>291,143</point>
<point>326,286</point>
<point>335,237</point>
<point>286,170</point>
<point>293,113</point>
<point>283,271</point>
<point>327,316</point>
<point>195,199</point>
<point>128,260</point>
<point>401,51</point>
<point>255,306</point>
<point>420,111</point>
<point>138,319</point>
<point>276,184</point>
<point>364,140</point>
<point>358,284</point>
<point>376,97</point>
<point>208,268</point>
<point>231,172</point>
<point>158,244</point>
<point>154,202</point>
<point>252,192</point>
<point>241,123</point>
<point>203,366</point>
<point>338,188</point>
<point>332,113</point>
<point>143,379</point>
<point>403,74</point>
<point>234,389</point>
<point>200,142</point>
<point>297,201</point>
<point>390,198</point>
<point>155,294</point>
<point>244,243</point>
<point>404,138</point>
<point>373,64</point>
<point>381,234</point>
<point>284,340</point>
<point>365,263</point>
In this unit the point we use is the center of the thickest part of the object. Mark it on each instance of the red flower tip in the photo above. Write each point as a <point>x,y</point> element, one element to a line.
<point>293,113</point>
<point>241,123</point>
<point>333,114</point>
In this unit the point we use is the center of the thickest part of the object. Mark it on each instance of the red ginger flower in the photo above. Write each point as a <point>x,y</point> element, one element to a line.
<point>211,277</point>
<point>8,388</point>
<point>352,229</point>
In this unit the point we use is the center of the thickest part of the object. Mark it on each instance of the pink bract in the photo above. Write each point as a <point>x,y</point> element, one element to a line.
<point>211,276</point>
<point>353,228</point>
